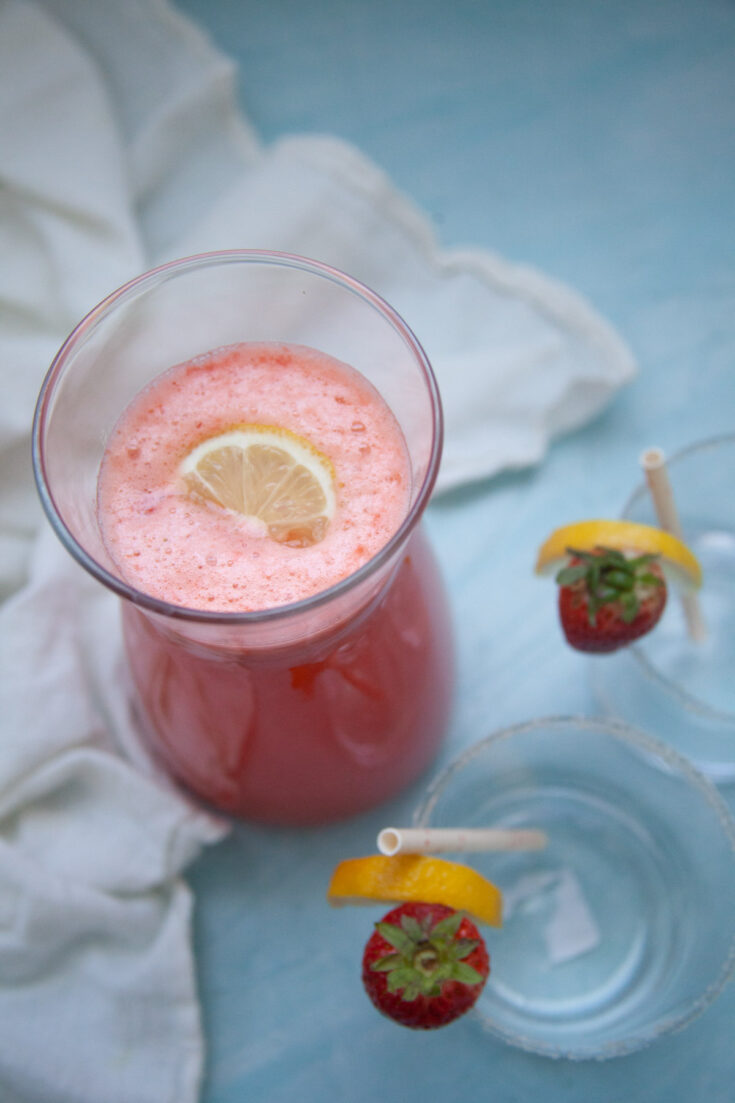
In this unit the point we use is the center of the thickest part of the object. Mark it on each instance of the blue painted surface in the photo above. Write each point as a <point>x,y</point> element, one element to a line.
<point>596,142</point>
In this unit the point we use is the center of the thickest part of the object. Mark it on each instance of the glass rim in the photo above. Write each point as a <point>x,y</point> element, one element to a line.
<point>667,758</point>
<point>686,700</point>
<point>157,275</point>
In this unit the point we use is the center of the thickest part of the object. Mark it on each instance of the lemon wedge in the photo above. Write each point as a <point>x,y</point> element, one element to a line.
<point>416,878</point>
<point>268,474</point>
<point>678,562</point>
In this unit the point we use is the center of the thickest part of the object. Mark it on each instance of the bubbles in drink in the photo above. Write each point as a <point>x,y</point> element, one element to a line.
<point>215,557</point>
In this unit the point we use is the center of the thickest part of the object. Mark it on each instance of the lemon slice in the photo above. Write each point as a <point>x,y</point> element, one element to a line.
<point>416,878</point>
<point>268,474</point>
<point>678,562</point>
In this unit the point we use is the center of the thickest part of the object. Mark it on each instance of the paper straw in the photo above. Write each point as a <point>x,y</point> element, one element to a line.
<point>439,840</point>
<point>653,462</point>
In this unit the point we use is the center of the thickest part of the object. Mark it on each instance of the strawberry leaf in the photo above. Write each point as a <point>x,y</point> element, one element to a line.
<point>606,576</point>
<point>425,955</point>
<point>385,964</point>
<point>396,937</point>
<point>404,978</point>
<point>567,576</point>
<point>641,560</point>
<point>411,992</point>
<point>650,579</point>
<point>629,603</point>
<point>413,928</point>
<point>621,580</point>
<point>466,974</point>
<point>461,948</point>
<point>447,928</point>
<point>614,555</point>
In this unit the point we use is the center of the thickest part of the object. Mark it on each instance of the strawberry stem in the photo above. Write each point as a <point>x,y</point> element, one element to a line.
<point>606,576</point>
<point>425,956</point>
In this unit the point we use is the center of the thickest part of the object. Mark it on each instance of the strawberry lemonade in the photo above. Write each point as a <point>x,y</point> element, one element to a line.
<point>172,538</point>
<point>251,478</point>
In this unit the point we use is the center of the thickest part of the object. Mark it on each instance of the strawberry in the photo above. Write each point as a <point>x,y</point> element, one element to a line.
<point>424,965</point>
<point>607,600</point>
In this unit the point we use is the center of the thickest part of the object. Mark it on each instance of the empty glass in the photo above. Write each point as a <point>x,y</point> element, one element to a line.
<point>623,927</point>
<point>679,689</point>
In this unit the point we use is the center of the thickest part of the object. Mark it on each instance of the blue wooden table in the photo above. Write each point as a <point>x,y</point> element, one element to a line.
<point>596,142</point>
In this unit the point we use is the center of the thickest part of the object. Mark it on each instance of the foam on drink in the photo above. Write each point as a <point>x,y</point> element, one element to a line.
<point>201,556</point>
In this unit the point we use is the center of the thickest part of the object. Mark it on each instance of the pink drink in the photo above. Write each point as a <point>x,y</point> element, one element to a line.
<point>353,707</point>
<point>205,557</point>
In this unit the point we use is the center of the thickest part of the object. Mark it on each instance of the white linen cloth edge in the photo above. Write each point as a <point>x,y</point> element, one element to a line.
<point>370,218</point>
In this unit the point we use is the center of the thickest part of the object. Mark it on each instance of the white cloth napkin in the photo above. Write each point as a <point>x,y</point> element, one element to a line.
<point>121,146</point>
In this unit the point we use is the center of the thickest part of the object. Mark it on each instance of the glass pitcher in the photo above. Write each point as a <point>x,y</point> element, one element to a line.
<point>301,713</point>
